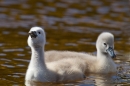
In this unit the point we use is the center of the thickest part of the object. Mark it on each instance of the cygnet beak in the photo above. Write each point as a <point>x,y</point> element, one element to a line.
<point>33,34</point>
<point>111,52</point>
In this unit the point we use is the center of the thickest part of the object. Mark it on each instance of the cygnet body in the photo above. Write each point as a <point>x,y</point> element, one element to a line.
<point>102,63</point>
<point>56,71</point>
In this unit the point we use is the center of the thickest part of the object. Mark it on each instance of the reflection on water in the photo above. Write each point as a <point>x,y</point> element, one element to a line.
<point>69,25</point>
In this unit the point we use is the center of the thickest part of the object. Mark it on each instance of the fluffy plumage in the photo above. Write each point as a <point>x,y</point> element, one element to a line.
<point>41,71</point>
<point>102,63</point>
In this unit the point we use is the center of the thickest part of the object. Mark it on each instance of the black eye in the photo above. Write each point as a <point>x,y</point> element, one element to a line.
<point>39,32</point>
<point>105,44</point>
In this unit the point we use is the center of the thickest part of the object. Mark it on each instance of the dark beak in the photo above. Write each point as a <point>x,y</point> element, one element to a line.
<point>33,34</point>
<point>111,52</point>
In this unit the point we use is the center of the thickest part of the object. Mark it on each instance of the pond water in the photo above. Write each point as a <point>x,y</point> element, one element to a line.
<point>69,25</point>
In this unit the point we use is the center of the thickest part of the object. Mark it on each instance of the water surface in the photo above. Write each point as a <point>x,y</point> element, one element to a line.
<point>69,25</point>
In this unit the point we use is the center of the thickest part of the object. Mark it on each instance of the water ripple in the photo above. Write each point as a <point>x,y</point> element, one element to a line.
<point>12,50</point>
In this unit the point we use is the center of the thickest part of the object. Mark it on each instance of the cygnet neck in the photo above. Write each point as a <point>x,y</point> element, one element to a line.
<point>102,56</point>
<point>37,57</point>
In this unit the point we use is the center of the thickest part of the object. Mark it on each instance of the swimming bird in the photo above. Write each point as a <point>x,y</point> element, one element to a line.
<point>56,71</point>
<point>101,63</point>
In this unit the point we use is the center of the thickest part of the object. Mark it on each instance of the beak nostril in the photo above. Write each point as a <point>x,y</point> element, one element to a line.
<point>33,34</point>
<point>111,52</point>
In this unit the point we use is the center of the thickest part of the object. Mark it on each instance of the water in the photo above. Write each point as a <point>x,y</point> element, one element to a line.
<point>69,25</point>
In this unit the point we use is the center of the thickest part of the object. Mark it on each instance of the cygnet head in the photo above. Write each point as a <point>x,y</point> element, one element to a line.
<point>36,37</point>
<point>105,44</point>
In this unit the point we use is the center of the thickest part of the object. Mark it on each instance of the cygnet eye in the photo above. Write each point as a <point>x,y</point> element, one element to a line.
<point>105,44</point>
<point>39,32</point>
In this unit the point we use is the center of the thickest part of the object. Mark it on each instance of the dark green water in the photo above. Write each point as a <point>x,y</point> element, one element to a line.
<point>70,25</point>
